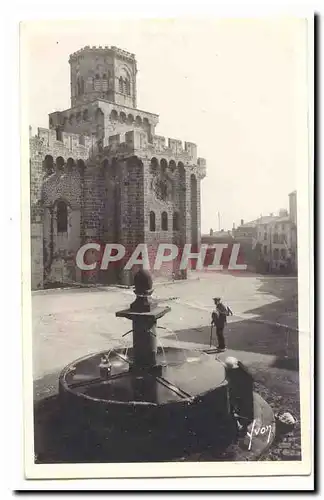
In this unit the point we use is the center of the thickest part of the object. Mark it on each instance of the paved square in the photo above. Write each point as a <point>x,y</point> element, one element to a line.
<point>68,324</point>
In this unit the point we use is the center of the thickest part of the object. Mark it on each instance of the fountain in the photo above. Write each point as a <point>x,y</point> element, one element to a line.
<point>147,402</point>
<point>153,398</point>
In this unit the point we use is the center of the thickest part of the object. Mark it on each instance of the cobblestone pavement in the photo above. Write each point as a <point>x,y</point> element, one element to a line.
<point>68,324</point>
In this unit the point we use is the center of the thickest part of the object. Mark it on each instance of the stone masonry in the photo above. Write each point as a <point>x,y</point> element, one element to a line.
<point>101,174</point>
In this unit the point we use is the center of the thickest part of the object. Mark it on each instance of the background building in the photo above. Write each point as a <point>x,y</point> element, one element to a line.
<point>99,173</point>
<point>267,244</point>
<point>276,240</point>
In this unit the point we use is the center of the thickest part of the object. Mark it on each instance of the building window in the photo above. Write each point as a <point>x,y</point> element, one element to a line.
<point>276,254</point>
<point>127,86</point>
<point>97,83</point>
<point>176,221</point>
<point>164,221</point>
<point>104,82</point>
<point>152,221</point>
<point>121,85</point>
<point>49,165</point>
<point>265,249</point>
<point>58,134</point>
<point>283,254</point>
<point>265,237</point>
<point>62,217</point>
<point>282,227</point>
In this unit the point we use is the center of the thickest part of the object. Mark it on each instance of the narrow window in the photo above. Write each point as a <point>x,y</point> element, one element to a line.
<point>97,83</point>
<point>164,221</point>
<point>58,134</point>
<point>152,221</point>
<point>176,221</point>
<point>121,85</point>
<point>61,217</point>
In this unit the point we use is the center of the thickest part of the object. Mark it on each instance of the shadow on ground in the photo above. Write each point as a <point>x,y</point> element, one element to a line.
<point>250,336</point>
<point>286,291</point>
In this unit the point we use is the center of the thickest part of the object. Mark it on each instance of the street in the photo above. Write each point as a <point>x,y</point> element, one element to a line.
<point>262,332</point>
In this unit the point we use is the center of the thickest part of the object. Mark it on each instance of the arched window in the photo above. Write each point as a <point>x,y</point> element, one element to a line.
<point>164,221</point>
<point>152,221</point>
<point>81,165</point>
<point>70,164</point>
<point>172,165</point>
<point>127,86</point>
<point>62,217</point>
<point>164,165</point>
<point>60,163</point>
<point>154,165</point>
<point>121,85</point>
<point>176,225</point>
<point>49,165</point>
<point>114,115</point>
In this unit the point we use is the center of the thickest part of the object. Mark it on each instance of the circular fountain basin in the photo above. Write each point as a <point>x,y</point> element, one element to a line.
<point>185,400</point>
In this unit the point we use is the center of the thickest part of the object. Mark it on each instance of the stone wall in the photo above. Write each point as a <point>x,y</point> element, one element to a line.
<point>54,176</point>
<point>95,74</point>
<point>109,193</point>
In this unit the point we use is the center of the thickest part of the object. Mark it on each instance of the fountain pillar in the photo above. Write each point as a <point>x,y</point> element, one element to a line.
<point>144,313</point>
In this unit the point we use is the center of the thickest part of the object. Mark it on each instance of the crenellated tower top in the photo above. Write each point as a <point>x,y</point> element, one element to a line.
<point>107,73</point>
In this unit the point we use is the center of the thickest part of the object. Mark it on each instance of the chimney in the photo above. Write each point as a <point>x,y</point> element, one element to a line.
<point>242,222</point>
<point>233,226</point>
<point>211,232</point>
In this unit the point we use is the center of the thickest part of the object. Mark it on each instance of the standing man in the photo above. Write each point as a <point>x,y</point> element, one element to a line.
<point>219,319</point>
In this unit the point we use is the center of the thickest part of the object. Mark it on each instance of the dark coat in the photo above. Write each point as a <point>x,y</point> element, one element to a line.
<point>240,383</point>
<point>219,316</point>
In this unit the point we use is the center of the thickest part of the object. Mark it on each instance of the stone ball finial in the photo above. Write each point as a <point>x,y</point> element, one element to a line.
<point>143,282</point>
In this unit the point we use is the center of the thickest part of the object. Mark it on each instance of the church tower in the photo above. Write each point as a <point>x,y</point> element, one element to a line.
<point>107,73</point>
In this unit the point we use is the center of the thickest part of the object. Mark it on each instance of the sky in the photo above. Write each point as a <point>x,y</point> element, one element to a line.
<point>234,87</point>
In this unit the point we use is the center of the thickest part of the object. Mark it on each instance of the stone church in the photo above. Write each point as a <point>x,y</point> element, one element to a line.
<point>99,173</point>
